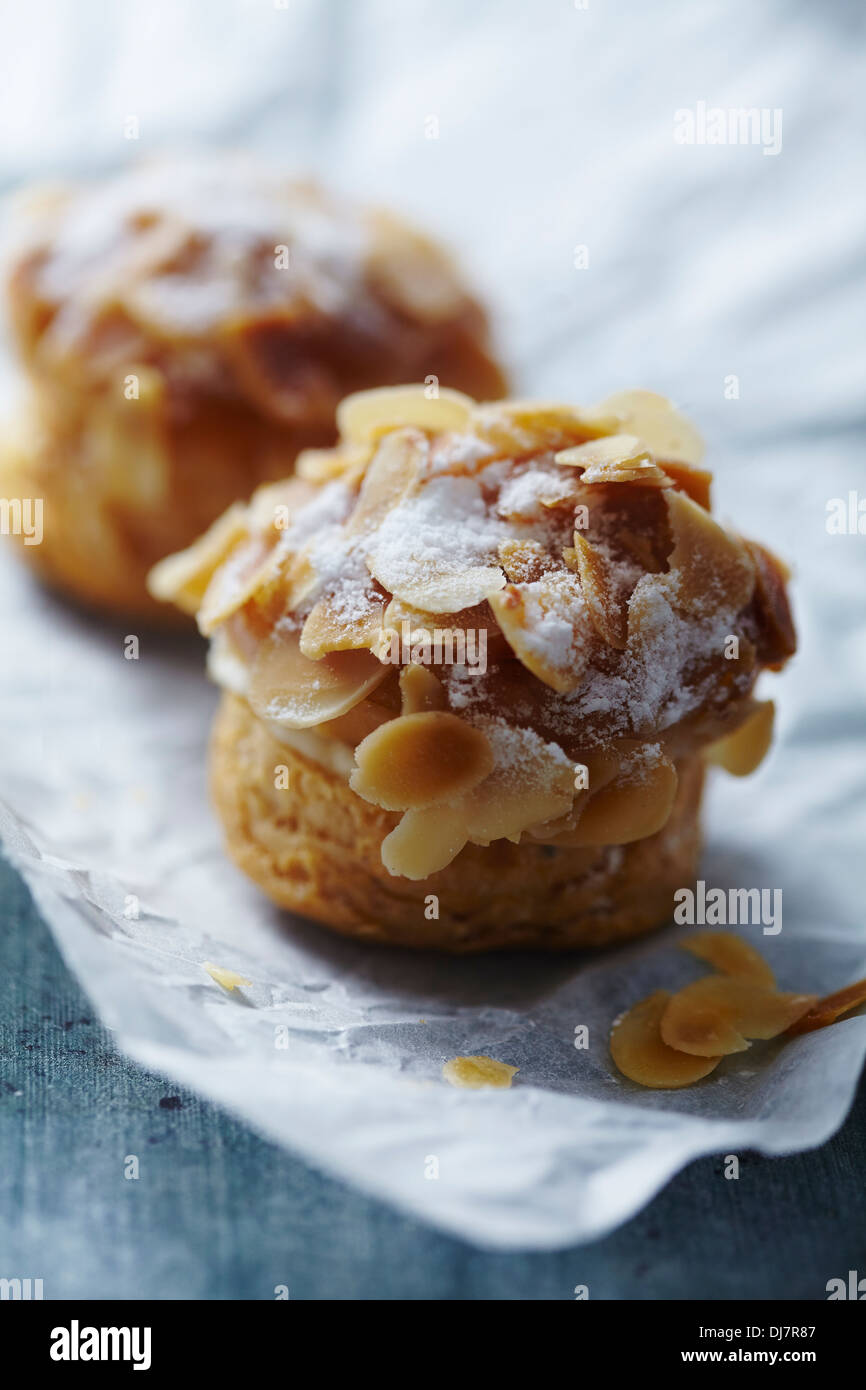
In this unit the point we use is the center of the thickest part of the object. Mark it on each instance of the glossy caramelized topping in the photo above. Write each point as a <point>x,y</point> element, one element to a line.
<point>235,280</point>
<point>520,616</point>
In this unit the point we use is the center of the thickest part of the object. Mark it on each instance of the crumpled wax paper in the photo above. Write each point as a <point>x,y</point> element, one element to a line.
<point>728,279</point>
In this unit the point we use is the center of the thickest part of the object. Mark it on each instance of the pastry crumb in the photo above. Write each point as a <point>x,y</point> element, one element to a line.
<point>471,1073</point>
<point>227,979</point>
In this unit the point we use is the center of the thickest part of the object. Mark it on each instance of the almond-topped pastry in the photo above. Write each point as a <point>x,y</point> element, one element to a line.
<point>475,659</point>
<point>187,328</point>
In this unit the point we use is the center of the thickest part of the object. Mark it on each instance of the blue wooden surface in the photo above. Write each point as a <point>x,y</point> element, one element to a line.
<point>219,1213</point>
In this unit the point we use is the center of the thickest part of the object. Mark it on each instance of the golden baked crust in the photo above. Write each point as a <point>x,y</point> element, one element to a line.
<point>187,329</point>
<point>315,848</point>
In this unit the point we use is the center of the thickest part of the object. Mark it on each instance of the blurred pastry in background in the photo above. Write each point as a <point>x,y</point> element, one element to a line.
<point>186,328</point>
<point>475,660</point>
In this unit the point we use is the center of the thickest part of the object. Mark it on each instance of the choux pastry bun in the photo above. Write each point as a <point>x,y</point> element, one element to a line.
<point>186,328</point>
<point>475,659</point>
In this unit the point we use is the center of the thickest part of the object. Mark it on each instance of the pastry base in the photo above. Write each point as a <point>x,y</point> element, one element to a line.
<point>315,849</point>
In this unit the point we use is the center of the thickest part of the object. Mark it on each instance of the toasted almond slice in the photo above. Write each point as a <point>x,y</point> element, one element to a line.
<point>476,619</point>
<point>731,955</point>
<point>471,1073</point>
<point>831,1007</point>
<point>425,841</point>
<point>459,635</point>
<point>591,771</point>
<point>420,690</point>
<point>442,591</point>
<point>420,760</point>
<point>745,749</point>
<point>532,782</point>
<point>636,804</point>
<point>183,578</point>
<point>639,1052</point>
<point>711,570</point>
<point>525,560</point>
<point>272,503</point>
<point>410,271</point>
<point>694,482</point>
<point>777,636</point>
<point>607,607</point>
<point>716,1015</point>
<point>392,474</point>
<point>549,489</point>
<point>547,626</point>
<point>289,689</point>
<point>330,629</point>
<point>318,466</point>
<point>250,569</point>
<point>365,415</point>
<point>615,450</point>
<point>520,427</point>
<point>228,979</point>
<point>667,433</point>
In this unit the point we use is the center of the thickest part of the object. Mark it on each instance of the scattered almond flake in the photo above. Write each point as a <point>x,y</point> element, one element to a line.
<point>472,1073</point>
<point>227,979</point>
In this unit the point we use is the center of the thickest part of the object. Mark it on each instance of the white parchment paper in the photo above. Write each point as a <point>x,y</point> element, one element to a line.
<point>555,130</point>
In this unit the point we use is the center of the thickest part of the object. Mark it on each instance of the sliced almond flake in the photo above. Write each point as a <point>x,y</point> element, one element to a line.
<point>598,767</point>
<point>710,570</point>
<point>183,578</point>
<point>471,1073</point>
<point>420,760</point>
<point>272,503</point>
<point>778,640</point>
<point>362,417</point>
<point>731,955</point>
<point>412,272</point>
<point>694,482</point>
<point>608,606</point>
<point>831,1007</point>
<point>448,591</point>
<point>320,466</point>
<point>525,561</point>
<point>745,749</point>
<point>251,568</point>
<point>720,1013</point>
<point>420,690</point>
<point>404,625</point>
<point>532,782</point>
<point>519,427</point>
<point>286,688</point>
<point>423,842</point>
<point>227,979</point>
<point>667,433</point>
<point>639,1052</point>
<point>548,628</point>
<point>635,805</point>
<point>392,475</point>
<point>619,458</point>
<point>327,629</point>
